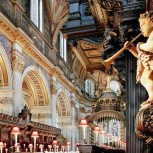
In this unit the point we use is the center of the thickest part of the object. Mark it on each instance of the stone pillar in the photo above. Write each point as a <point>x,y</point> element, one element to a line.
<point>17,66</point>
<point>136,94</point>
<point>73,121</point>
<point>53,90</point>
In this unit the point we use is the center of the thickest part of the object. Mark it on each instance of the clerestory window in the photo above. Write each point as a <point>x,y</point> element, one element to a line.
<point>63,47</point>
<point>36,13</point>
<point>90,88</point>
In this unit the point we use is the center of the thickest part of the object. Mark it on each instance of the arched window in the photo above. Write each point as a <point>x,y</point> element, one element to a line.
<point>36,14</point>
<point>90,87</point>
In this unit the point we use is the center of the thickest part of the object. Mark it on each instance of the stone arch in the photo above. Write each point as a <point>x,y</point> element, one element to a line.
<point>34,87</point>
<point>5,69</point>
<point>62,104</point>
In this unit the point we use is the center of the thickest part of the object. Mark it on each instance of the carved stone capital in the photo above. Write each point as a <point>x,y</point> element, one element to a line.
<point>17,61</point>
<point>53,87</point>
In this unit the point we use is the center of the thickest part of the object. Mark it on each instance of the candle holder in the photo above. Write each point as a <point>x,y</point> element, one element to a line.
<point>24,145</point>
<point>96,131</point>
<point>35,136</point>
<point>49,147</point>
<point>62,148</point>
<point>30,147</point>
<point>76,144</point>
<point>68,146</point>
<point>57,147</point>
<point>16,131</point>
<point>108,138</point>
<point>103,133</point>
<point>54,143</point>
<point>6,150</point>
<point>1,147</point>
<point>83,123</point>
<point>41,146</point>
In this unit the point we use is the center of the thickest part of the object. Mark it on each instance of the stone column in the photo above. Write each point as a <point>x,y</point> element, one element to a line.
<point>73,121</point>
<point>17,66</point>
<point>135,95</point>
<point>53,90</point>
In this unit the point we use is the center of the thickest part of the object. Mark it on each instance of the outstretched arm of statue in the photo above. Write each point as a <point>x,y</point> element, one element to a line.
<point>130,46</point>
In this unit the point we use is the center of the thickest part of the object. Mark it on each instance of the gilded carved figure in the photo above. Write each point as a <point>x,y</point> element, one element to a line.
<point>144,53</point>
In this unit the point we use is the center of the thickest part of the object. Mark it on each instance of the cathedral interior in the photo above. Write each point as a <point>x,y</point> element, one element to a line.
<point>61,80</point>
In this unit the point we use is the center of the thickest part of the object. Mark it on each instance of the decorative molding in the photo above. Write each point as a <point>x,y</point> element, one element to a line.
<point>53,87</point>
<point>6,100</point>
<point>144,124</point>
<point>17,61</point>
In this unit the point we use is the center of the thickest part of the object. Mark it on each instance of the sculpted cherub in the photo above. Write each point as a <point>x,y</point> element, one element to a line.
<point>144,53</point>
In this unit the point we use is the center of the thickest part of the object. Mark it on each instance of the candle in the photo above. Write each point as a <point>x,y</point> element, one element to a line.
<point>24,145</point>
<point>30,146</point>
<point>49,146</point>
<point>6,150</point>
<point>1,147</point>
<point>17,148</point>
<point>41,147</point>
<point>63,148</point>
